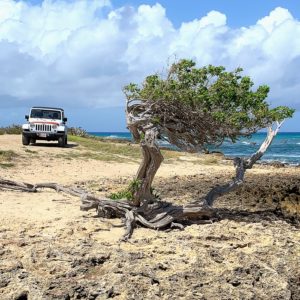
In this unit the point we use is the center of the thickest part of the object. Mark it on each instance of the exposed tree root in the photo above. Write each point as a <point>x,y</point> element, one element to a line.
<point>19,186</point>
<point>158,215</point>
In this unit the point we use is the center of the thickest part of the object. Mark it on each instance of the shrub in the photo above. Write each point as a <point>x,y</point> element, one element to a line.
<point>77,131</point>
<point>12,129</point>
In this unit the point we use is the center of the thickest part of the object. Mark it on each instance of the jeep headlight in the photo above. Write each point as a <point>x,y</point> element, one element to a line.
<point>54,126</point>
<point>31,125</point>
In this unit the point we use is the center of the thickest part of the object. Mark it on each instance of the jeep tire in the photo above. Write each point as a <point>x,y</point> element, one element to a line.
<point>25,140</point>
<point>62,141</point>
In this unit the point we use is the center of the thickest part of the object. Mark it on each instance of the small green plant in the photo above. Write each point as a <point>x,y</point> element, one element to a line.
<point>30,151</point>
<point>124,194</point>
<point>5,159</point>
<point>142,136</point>
<point>7,155</point>
<point>127,193</point>
<point>210,161</point>
<point>6,165</point>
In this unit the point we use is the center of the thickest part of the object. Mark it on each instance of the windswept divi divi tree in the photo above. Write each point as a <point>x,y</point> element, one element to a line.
<point>191,108</point>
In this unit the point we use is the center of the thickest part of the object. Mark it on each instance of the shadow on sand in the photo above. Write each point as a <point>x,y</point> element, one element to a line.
<point>53,145</point>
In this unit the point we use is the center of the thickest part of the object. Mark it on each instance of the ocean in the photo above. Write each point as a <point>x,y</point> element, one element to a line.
<point>285,147</point>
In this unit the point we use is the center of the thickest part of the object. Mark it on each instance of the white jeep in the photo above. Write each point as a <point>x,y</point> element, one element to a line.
<point>45,123</point>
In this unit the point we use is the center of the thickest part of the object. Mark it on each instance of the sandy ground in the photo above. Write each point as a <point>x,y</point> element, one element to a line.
<point>49,249</point>
<point>47,166</point>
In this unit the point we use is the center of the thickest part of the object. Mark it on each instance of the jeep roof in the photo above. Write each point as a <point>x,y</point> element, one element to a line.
<point>44,107</point>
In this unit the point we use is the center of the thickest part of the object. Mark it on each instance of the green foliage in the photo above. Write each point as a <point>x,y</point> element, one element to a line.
<point>127,193</point>
<point>142,136</point>
<point>12,129</point>
<point>106,150</point>
<point>116,151</point>
<point>77,131</point>
<point>227,99</point>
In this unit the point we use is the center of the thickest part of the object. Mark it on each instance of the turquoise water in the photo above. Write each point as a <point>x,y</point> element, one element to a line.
<point>285,146</point>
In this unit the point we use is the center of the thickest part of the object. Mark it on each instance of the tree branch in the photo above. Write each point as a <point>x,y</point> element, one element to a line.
<point>241,165</point>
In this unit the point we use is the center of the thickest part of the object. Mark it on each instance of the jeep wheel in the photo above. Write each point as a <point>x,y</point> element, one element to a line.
<point>25,140</point>
<point>66,141</point>
<point>62,141</point>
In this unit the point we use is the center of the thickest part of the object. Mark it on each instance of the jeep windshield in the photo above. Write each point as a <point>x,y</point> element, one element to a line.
<point>45,114</point>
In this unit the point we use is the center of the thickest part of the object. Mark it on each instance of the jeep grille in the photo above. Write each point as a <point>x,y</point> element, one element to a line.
<point>43,127</point>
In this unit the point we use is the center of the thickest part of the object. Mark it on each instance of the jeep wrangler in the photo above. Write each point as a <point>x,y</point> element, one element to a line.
<point>45,123</point>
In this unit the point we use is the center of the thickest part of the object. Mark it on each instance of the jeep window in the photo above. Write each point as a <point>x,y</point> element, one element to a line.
<point>45,114</point>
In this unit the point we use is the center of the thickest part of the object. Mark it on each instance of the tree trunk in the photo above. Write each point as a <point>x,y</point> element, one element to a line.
<point>152,159</point>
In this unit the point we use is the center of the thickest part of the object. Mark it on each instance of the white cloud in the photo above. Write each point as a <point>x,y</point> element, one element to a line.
<point>277,17</point>
<point>81,53</point>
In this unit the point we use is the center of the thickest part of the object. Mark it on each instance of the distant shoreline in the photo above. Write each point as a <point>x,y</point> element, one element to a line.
<point>284,150</point>
<point>128,132</point>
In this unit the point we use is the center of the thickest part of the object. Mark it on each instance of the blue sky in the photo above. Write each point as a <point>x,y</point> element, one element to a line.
<point>79,54</point>
<point>239,12</point>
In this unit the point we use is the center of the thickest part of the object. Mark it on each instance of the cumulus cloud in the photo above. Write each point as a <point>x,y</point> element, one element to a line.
<point>81,53</point>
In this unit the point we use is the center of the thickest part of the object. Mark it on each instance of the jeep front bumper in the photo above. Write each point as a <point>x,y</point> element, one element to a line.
<point>49,136</point>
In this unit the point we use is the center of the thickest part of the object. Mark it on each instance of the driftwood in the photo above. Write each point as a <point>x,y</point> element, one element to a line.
<point>150,212</point>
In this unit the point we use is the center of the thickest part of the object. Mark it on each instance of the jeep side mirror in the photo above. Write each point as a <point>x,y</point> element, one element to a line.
<point>27,117</point>
<point>65,119</point>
